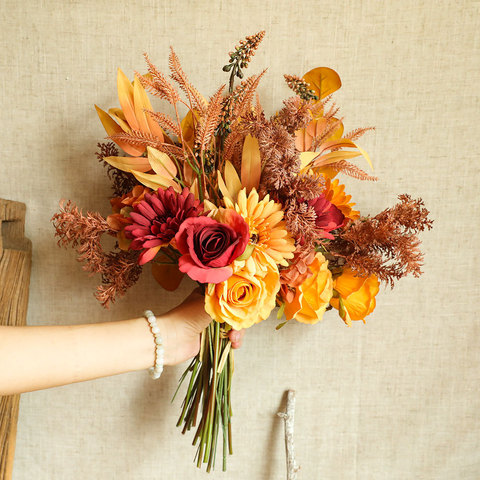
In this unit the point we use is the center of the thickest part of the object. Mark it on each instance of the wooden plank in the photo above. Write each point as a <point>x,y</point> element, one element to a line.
<point>15,266</point>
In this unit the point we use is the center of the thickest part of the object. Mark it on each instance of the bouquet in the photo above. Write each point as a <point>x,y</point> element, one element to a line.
<point>250,207</point>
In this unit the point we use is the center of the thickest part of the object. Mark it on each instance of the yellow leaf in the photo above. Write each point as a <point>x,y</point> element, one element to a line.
<point>251,168</point>
<point>112,129</point>
<point>223,188</point>
<point>306,158</point>
<point>188,126</point>
<point>323,80</point>
<point>333,157</point>
<point>194,189</point>
<point>156,181</point>
<point>232,181</point>
<point>125,96</point>
<point>118,116</point>
<point>161,163</point>
<point>127,164</point>
<point>342,143</point>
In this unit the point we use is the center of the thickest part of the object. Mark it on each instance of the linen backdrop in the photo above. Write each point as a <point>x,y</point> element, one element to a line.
<point>393,399</point>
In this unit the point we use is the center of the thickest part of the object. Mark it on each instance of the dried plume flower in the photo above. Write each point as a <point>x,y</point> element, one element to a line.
<point>123,182</point>
<point>387,244</point>
<point>296,113</point>
<point>119,270</point>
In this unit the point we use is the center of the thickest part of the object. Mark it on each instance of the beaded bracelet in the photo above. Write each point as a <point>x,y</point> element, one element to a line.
<point>157,369</point>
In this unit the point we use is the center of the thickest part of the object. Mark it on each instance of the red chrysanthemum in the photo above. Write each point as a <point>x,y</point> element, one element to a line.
<point>329,217</point>
<point>157,218</point>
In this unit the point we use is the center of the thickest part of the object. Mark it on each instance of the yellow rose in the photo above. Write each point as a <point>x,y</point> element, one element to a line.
<point>356,295</point>
<point>313,295</point>
<point>246,298</point>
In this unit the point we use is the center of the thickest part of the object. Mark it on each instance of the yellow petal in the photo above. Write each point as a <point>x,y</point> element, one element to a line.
<point>251,164</point>
<point>323,80</point>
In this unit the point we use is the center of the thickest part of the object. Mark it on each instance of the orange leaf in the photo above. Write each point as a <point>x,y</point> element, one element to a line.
<point>142,105</point>
<point>125,96</point>
<point>112,128</point>
<point>168,276</point>
<point>126,164</point>
<point>323,80</point>
<point>251,168</point>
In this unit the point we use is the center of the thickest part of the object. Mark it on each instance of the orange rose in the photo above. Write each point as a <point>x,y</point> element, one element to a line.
<point>355,295</point>
<point>313,295</point>
<point>246,298</point>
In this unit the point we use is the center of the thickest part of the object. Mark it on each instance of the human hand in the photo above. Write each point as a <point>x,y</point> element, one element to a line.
<point>181,328</point>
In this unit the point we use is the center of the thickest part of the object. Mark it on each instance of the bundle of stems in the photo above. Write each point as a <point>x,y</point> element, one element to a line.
<point>208,396</point>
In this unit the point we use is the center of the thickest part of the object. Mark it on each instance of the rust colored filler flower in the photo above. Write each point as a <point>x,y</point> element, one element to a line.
<point>158,218</point>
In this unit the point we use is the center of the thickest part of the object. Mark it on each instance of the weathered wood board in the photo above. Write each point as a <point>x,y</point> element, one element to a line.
<point>15,265</point>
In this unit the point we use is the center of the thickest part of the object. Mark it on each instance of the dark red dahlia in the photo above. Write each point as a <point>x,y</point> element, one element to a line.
<point>329,217</point>
<point>157,218</point>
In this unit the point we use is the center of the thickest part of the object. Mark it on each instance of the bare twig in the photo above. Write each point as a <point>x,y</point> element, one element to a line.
<point>289,419</point>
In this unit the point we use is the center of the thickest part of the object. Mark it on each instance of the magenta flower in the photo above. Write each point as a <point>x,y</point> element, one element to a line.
<point>208,246</point>
<point>157,218</point>
<point>329,217</point>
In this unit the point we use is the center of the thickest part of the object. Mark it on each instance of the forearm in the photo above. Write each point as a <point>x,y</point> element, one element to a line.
<point>36,357</point>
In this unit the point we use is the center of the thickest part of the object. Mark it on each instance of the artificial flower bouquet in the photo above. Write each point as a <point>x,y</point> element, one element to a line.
<point>248,206</point>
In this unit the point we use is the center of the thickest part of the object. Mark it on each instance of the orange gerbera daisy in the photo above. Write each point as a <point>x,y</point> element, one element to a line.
<point>335,193</point>
<point>268,233</point>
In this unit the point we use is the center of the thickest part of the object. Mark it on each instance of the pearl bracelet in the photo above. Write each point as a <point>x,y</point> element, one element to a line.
<point>157,369</point>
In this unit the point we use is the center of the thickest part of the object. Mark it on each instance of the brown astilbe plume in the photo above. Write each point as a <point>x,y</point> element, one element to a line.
<point>300,217</point>
<point>387,244</point>
<point>280,159</point>
<point>300,221</point>
<point>357,133</point>
<point>195,99</point>
<point>119,270</point>
<point>209,122</point>
<point>166,122</point>
<point>157,84</point>
<point>122,182</point>
<point>296,114</point>
<point>352,170</point>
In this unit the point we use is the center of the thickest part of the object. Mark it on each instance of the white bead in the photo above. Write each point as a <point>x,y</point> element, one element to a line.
<point>157,369</point>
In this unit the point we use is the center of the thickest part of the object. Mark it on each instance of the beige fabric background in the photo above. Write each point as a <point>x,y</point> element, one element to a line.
<point>393,399</point>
